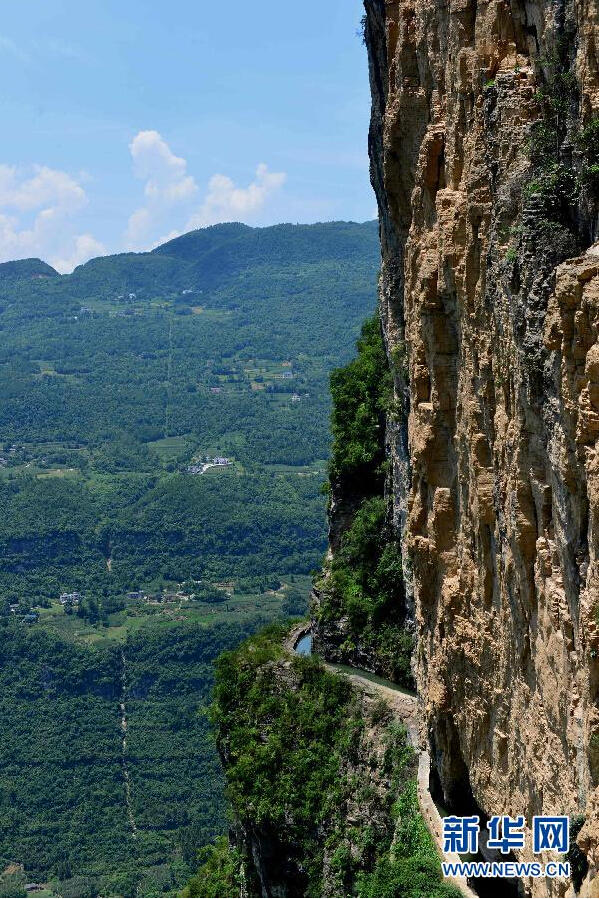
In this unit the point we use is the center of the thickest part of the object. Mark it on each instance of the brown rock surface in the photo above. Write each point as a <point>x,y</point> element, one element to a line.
<point>496,466</point>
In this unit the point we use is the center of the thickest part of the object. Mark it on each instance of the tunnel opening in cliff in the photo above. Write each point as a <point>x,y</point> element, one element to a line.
<point>452,793</point>
<point>449,779</point>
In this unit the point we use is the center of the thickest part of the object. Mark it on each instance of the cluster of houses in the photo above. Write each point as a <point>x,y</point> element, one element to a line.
<point>72,599</point>
<point>155,597</point>
<point>28,617</point>
<point>123,313</point>
<point>165,596</point>
<point>11,452</point>
<point>201,467</point>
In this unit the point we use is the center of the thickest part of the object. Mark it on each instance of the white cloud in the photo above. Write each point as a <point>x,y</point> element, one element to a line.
<point>168,185</point>
<point>58,47</point>
<point>225,201</point>
<point>164,173</point>
<point>6,43</point>
<point>34,49</point>
<point>39,205</point>
<point>36,205</point>
<point>84,247</point>
<point>138,227</point>
<point>43,186</point>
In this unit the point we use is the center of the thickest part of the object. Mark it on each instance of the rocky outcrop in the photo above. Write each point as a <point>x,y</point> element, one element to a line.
<point>489,298</point>
<point>276,866</point>
<point>325,789</point>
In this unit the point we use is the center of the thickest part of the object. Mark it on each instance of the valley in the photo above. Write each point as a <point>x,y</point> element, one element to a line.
<point>129,559</point>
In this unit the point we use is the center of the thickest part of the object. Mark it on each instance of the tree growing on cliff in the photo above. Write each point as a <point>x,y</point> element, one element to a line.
<point>361,392</point>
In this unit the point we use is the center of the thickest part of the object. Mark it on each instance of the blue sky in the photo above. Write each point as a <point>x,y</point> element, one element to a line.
<point>128,122</point>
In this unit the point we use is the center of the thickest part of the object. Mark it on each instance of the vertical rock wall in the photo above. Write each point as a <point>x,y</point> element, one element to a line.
<point>492,325</point>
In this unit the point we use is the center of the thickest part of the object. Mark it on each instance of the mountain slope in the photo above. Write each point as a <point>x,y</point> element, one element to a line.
<point>132,367</point>
<point>26,268</point>
<point>116,384</point>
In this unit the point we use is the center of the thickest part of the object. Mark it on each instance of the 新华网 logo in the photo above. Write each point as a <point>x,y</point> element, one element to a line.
<point>550,833</point>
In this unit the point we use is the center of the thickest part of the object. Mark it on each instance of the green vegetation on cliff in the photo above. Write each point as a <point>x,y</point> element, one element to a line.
<point>561,196</point>
<point>361,392</point>
<point>363,583</point>
<point>283,740</point>
<point>410,867</point>
<point>321,783</point>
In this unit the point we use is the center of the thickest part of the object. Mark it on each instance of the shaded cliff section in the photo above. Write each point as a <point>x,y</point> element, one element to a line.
<point>484,146</point>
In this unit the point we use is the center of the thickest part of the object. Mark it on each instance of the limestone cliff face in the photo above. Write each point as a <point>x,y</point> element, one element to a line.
<point>490,303</point>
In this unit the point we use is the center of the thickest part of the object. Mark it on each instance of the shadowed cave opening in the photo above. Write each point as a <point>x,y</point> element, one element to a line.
<point>454,796</point>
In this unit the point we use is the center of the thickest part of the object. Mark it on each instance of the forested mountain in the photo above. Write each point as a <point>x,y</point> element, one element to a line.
<point>164,430</point>
<point>117,379</point>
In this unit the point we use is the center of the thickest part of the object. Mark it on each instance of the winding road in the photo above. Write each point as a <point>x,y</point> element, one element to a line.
<point>405,706</point>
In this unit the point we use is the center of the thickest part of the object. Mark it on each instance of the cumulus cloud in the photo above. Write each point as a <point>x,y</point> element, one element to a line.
<point>42,187</point>
<point>35,206</point>
<point>84,247</point>
<point>168,186</point>
<point>164,173</point>
<point>225,201</point>
<point>40,206</point>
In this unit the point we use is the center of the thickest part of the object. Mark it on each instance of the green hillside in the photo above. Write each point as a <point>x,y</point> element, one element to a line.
<point>65,815</point>
<point>119,384</point>
<point>117,379</point>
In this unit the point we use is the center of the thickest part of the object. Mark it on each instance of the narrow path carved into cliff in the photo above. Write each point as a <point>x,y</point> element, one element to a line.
<point>405,706</point>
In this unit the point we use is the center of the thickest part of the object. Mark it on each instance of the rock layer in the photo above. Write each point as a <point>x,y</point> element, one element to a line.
<point>491,320</point>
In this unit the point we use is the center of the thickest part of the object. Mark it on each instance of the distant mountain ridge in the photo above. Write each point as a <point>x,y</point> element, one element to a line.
<point>287,242</point>
<point>26,268</point>
<point>205,254</point>
<point>204,257</point>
